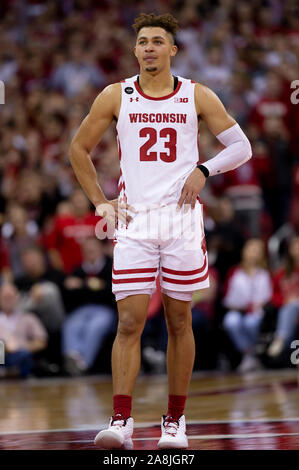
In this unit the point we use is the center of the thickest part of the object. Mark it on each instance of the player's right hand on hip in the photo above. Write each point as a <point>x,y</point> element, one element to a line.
<point>115,211</point>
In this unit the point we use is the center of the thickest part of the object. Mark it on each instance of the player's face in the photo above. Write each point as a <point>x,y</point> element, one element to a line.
<point>154,47</point>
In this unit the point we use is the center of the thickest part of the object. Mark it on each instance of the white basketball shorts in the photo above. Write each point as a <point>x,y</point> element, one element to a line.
<point>164,242</point>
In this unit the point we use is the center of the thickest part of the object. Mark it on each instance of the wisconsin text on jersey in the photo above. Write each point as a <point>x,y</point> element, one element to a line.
<point>179,118</point>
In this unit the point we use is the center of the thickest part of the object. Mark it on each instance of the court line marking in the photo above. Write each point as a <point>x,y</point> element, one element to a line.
<point>245,389</point>
<point>98,379</point>
<point>196,437</point>
<point>226,436</point>
<point>149,424</point>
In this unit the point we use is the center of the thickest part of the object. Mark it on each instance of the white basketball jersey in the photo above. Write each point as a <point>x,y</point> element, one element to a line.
<point>158,143</point>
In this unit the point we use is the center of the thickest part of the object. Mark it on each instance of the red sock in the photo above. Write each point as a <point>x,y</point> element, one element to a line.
<point>122,404</point>
<point>176,405</point>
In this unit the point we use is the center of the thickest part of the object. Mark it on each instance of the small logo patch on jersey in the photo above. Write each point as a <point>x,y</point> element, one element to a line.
<point>129,90</point>
<point>134,99</point>
<point>181,100</point>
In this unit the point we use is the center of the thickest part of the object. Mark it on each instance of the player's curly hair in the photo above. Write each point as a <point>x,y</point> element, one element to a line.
<point>166,21</point>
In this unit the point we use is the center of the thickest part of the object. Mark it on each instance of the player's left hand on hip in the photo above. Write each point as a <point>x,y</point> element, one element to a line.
<point>192,187</point>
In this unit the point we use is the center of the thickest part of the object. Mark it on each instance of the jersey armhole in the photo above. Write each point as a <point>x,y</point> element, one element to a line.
<point>199,118</point>
<point>115,119</point>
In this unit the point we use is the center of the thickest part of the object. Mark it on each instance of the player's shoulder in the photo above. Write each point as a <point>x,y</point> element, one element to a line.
<point>114,89</point>
<point>202,90</point>
<point>188,80</point>
<point>205,98</point>
<point>128,80</point>
<point>111,90</point>
<point>107,99</point>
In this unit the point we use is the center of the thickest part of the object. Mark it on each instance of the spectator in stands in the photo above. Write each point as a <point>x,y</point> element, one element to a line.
<point>224,238</point>
<point>245,193</point>
<point>76,72</point>
<point>19,233</point>
<point>29,194</point>
<point>248,289</point>
<point>286,298</point>
<point>274,102</point>
<point>70,229</point>
<point>22,332</point>
<point>90,291</point>
<point>215,71</point>
<point>277,191</point>
<point>203,322</point>
<point>41,288</point>
<point>5,271</point>
<point>240,97</point>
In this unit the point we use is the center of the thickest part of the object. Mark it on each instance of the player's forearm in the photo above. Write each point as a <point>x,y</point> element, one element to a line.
<point>237,151</point>
<point>86,174</point>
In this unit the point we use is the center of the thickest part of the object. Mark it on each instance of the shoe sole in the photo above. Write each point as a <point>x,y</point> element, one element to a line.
<point>108,440</point>
<point>171,445</point>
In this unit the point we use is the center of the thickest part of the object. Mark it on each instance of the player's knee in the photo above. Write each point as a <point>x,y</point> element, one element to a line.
<point>179,323</point>
<point>129,325</point>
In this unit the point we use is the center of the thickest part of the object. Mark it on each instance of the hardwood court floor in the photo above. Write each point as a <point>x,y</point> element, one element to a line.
<point>224,411</point>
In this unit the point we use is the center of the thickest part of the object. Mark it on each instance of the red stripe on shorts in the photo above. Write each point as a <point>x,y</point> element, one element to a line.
<point>186,273</point>
<point>136,279</point>
<point>183,281</point>
<point>134,271</point>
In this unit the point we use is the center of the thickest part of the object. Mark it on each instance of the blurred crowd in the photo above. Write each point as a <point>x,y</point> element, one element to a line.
<point>57,312</point>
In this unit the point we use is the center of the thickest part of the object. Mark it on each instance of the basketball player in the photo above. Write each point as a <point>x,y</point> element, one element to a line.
<point>157,118</point>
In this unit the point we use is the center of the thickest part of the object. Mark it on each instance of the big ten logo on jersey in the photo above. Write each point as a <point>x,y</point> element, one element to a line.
<point>181,100</point>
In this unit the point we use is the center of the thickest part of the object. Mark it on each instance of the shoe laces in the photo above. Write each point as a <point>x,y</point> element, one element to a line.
<point>171,425</point>
<point>118,420</point>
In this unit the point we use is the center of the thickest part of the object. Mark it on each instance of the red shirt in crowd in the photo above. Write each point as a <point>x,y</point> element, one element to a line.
<point>4,263</point>
<point>285,286</point>
<point>268,107</point>
<point>67,235</point>
<point>243,178</point>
